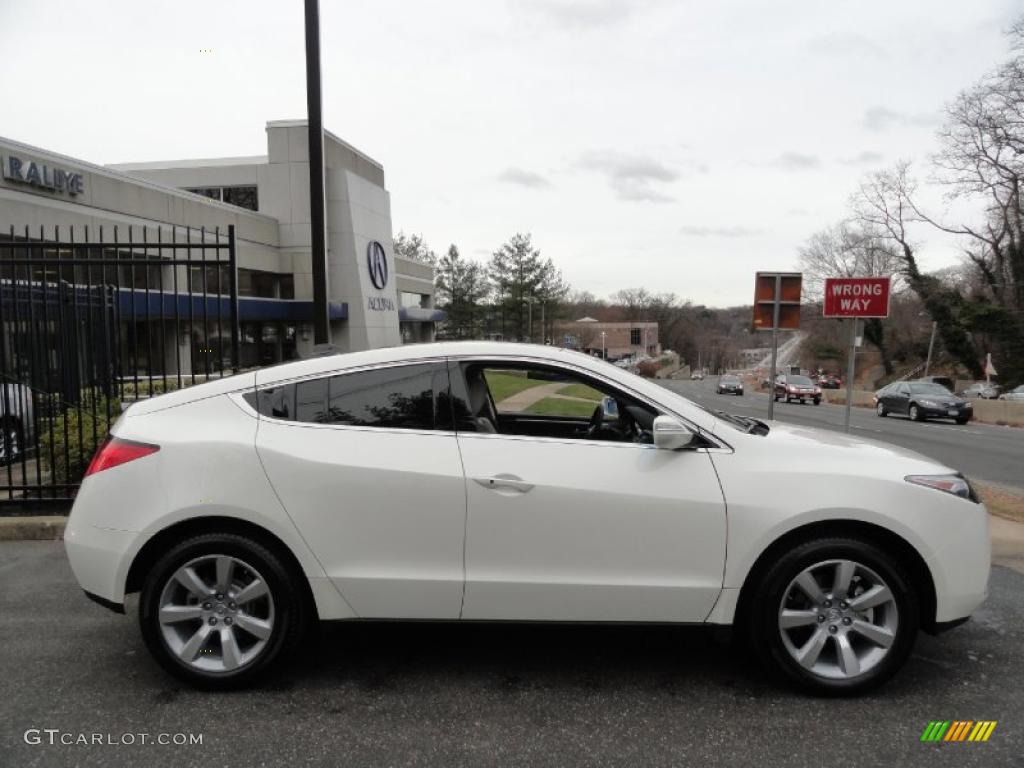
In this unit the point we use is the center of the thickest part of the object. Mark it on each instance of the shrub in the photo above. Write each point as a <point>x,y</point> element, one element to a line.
<point>648,368</point>
<point>79,453</point>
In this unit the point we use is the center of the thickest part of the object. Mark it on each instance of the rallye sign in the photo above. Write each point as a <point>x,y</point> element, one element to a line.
<point>856,297</point>
<point>40,175</point>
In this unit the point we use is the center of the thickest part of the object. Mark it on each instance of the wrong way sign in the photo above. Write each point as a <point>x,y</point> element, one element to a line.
<point>856,297</point>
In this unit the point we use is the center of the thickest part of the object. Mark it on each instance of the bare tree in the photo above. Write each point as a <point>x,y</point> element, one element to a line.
<point>849,249</point>
<point>884,202</point>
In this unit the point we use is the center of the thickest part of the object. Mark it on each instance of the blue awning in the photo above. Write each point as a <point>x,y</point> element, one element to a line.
<point>136,303</point>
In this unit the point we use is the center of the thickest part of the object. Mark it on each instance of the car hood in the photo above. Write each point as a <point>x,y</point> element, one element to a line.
<point>792,443</point>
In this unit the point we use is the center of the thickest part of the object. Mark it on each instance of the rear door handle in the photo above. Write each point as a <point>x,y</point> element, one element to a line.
<point>504,483</point>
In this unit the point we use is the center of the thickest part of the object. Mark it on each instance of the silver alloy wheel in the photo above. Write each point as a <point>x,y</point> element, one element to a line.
<point>914,413</point>
<point>838,619</point>
<point>880,409</point>
<point>216,613</point>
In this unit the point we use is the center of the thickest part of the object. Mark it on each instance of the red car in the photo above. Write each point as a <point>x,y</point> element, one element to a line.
<point>790,386</point>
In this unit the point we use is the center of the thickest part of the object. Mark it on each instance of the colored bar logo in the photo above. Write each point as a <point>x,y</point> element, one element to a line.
<point>958,730</point>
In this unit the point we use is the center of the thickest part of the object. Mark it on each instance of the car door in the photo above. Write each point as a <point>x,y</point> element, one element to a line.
<point>367,465</point>
<point>899,399</point>
<point>578,529</point>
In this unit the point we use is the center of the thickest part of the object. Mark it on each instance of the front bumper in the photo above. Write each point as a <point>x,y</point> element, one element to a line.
<point>958,412</point>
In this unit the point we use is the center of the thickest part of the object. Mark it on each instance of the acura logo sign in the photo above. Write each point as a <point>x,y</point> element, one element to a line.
<point>377,264</point>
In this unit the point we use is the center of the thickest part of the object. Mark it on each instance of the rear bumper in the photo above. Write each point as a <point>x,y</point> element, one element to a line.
<point>99,558</point>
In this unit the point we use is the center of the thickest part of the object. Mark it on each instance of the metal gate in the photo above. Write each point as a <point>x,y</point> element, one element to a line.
<point>91,321</point>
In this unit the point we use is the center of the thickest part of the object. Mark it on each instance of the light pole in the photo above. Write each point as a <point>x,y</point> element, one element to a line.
<point>604,353</point>
<point>528,301</point>
<point>318,235</point>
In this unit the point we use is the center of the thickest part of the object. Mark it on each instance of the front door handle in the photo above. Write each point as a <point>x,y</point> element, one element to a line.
<point>504,483</point>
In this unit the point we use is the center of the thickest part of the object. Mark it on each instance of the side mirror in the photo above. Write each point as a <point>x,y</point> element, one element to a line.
<point>671,434</point>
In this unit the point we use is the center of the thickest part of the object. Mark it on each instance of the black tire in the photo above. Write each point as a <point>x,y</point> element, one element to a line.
<point>291,609</point>
<point>961,421</point>
<point>765,637</point>
<point>880,409</point>
<point>915,413</point>
<point>817,401</point>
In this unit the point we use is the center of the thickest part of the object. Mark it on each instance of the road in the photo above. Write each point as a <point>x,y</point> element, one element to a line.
<point>486,694</point>
<point>981,451</point>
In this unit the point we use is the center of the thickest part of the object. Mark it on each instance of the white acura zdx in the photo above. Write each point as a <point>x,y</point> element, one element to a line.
<point>492,482</point>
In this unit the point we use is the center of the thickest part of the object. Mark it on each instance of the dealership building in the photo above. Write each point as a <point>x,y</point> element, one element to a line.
<point>375,298</point>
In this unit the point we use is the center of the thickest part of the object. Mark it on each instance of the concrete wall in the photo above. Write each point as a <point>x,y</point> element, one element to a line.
<point>111,198</point>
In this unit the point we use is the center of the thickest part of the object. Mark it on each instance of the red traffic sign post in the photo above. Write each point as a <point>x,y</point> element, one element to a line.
<point>856,296</point>
<point>853,298</point>
<point>776,305</point>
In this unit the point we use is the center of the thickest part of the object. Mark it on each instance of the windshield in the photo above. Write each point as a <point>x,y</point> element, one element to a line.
<point>800,381</point>
<point>730,379</point>
<point>928,388</point>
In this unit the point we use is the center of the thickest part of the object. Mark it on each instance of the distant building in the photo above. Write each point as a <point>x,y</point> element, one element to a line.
<point>376,298</point>
<point>612,340</point>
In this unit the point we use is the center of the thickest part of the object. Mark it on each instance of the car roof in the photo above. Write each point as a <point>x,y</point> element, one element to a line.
<point>408,353</point>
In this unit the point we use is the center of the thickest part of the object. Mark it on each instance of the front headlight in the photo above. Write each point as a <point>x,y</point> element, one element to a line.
<point>929,403</point>
<point>956,484</point>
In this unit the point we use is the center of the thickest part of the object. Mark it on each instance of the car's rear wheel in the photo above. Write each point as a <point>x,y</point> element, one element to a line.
<point>835,616</point>
<point>219,609</point>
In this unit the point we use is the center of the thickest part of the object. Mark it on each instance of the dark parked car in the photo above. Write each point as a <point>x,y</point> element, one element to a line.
<point>922,400</point>
<point>829,381</point>
<point>730,385</point>
<point>982,389</point>
<point>791,386</point>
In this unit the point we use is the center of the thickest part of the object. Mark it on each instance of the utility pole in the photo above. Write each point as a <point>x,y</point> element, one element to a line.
<point>314,112</point>
<point>851,368</point>
<point>775,346</point>
<point>931,345</point>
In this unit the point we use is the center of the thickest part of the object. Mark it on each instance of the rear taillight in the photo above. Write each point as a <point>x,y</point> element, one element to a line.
<point>116,451</point>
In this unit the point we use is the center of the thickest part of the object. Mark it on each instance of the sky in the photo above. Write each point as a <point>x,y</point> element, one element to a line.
<point>674,145</point>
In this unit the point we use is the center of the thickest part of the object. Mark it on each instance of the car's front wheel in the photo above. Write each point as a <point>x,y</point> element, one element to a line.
<point>219,609</point>
<point>835,616</point>
<point>915,413</point>
<point>880,409</point>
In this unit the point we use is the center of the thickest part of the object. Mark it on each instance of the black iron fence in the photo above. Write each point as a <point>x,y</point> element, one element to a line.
<point>91,321</point>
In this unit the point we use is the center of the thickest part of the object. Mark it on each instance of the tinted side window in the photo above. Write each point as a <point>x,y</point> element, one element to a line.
<point>310,397</point>
<point>401,397</point>
<point>278,402</point>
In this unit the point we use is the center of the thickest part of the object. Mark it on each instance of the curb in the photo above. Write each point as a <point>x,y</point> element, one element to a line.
<point>36,528</point>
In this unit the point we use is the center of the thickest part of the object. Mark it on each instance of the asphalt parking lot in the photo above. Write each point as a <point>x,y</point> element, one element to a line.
<point>429,694</point>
